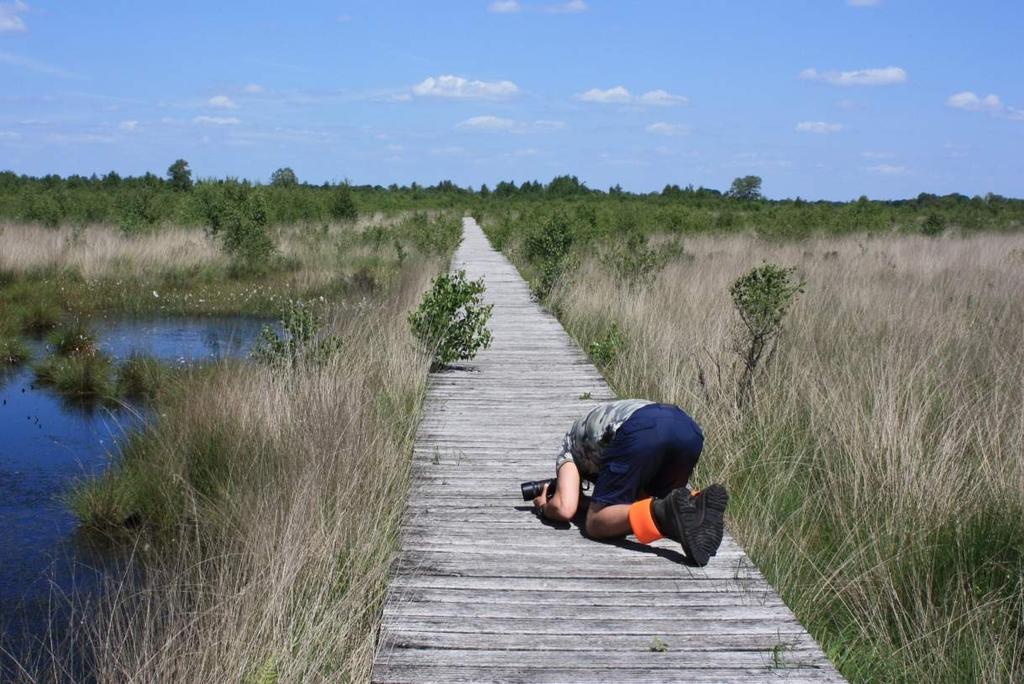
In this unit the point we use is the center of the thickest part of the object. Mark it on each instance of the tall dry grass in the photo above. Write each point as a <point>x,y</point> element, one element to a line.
<point>98,251</point>
<point>276,496</point>
<point>878,478</point>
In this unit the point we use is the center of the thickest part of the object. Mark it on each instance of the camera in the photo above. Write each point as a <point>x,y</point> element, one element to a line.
<point>533,488</point>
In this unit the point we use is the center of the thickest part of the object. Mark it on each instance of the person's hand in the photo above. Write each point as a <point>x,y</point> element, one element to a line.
<point>542,498</point>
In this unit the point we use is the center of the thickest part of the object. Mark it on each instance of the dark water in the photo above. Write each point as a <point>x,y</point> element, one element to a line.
<point>47,442</point>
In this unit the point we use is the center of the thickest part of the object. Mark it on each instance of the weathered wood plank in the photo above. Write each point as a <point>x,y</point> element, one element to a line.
<point>484,591</point>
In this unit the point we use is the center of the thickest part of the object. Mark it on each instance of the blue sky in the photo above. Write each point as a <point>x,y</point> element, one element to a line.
<point>822,98</point>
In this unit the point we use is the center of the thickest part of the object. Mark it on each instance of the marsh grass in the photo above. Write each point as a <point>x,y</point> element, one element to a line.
<point>876,474</point>
<point>262,504</point>
<point>278,496</point>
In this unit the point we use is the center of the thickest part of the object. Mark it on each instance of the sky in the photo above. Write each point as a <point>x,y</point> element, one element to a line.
<point>824,99</point>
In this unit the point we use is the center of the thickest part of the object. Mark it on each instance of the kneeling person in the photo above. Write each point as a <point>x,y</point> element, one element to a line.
<point>639,455</point>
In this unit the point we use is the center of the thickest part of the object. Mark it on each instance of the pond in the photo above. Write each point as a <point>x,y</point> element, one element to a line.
<point>47,442</point>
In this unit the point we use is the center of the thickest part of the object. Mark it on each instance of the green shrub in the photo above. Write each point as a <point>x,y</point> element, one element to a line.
<point>762,298</point>
<point>303,342</point>
<point>342,206</point>
<point>548,247</point>
<point>605,349</point>
<point>933,225</point>
<point>245,232</point>
<point>451,321</point>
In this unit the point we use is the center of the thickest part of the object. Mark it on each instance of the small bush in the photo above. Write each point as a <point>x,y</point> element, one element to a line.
<point>762,298</point>
<point>246,233</point>
<point>342,206</point>
<point>303,341</point>
<point>604,349</point>
<point>451,322</point>
<point>933,225</point>
<point>548,249</point>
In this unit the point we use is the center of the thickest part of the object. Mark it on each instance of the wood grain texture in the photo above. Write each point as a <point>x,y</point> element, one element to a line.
<point>483,591</point>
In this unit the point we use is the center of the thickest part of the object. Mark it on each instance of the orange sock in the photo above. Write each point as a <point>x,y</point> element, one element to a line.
<point>641,519</point>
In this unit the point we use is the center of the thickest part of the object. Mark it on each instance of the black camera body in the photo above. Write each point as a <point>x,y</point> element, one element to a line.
<point>533,488</point>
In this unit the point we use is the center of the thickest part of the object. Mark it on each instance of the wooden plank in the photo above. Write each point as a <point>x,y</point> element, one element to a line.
<point>485,591</point>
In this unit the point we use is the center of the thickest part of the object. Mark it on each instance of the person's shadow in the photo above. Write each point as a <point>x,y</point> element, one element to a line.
<point>579,521</point>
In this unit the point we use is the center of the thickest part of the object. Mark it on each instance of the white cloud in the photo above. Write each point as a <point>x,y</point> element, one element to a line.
<point>818,127</point>
<point>611,95</point>
<point>488,123</point>
<point>662,98</point>
<point>664,128</point>
<point>344,18</point>
<point>621,95</point>
<point>128,125</point>
<point>504,6</point>
<point>870,154</point>
<point>221,102</point>
<point>10,136</point>
<point>889,75</point>
<point>33,65</point>
<point>972,103</point>
<point>462,88</point>
<point>569,7</point>
<point>254,89</point>
<point>10,22</point>
<point>497,123</point>
<point>216,120</point>
<point>888,169</point>
<point>863,3</point>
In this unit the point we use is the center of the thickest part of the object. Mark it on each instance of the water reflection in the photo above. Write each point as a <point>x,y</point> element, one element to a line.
<point>47,442</point>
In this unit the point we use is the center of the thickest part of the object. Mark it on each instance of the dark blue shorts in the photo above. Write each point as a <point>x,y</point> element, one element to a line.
<point>653,452</point>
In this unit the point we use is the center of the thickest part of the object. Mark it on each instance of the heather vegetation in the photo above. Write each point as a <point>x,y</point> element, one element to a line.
<point>856,371</point>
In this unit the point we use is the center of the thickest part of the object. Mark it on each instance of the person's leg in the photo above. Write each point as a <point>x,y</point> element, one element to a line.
<point>604,521</point>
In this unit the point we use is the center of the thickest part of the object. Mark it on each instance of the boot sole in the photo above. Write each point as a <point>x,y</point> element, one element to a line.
<point>704,524</point>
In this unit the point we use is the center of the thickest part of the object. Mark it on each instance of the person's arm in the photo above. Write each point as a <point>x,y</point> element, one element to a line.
<point>562,506</point>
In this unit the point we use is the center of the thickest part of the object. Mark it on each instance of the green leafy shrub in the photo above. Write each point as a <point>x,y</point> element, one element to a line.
<point>636,263</point>
<point>246,233</point>
<point>303,341</point>
<point>548,249</point>
<point>604,349</point>
<point>451,321</point>
<point>762,298</point>
<point>932,225</point>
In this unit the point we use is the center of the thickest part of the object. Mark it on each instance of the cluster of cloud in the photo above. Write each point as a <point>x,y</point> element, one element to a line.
<point>458,87</point>
<point>969,101</point>
<point>513,6</point>
<point>498,123</point>
<point>621,95</point>
<point>10,19</point>
<point>889,75</point>
<point>863,3</point>
<point>822,127</point>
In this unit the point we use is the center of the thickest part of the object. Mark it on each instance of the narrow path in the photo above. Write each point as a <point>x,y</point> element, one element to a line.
<point>484,591</point>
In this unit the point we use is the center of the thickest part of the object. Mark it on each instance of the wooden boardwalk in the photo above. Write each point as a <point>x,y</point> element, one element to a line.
<point>485,592</point>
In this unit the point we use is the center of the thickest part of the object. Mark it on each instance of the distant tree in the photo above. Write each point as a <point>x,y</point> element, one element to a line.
<point>343,207</point>
<point>180,175</point>
<point>565,186</point>
<point>746,188</point>
<point>284,178</point>
<point>485,191</point>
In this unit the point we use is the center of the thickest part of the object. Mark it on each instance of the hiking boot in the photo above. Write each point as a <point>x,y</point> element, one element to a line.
<point>694,519</point>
